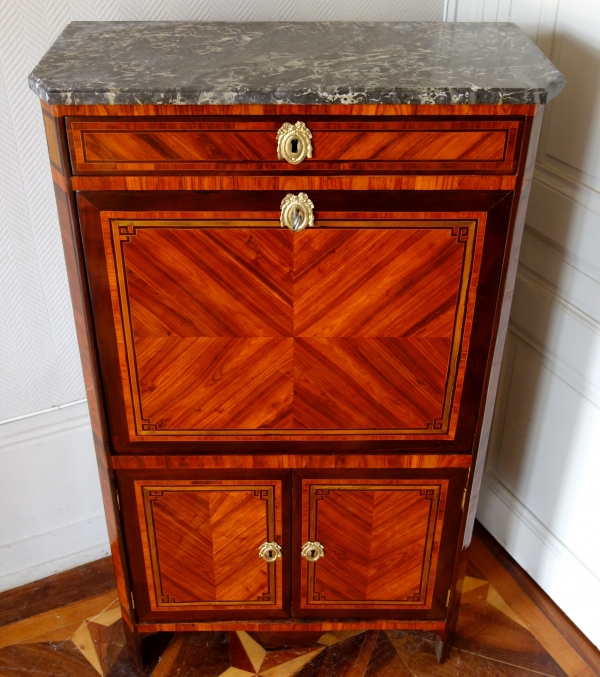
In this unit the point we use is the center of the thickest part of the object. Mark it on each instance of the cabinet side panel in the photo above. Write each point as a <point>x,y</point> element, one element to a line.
<point>68,220</point>
<point>510,265</point>
<point>509,271</point>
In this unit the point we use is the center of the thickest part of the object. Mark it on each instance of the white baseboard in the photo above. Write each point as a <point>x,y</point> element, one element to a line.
<point>564,578</point>
<point>50,553</point>
<point>51,513</point>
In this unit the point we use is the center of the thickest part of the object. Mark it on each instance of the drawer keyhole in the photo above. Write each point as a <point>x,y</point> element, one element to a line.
<point>293,142</point>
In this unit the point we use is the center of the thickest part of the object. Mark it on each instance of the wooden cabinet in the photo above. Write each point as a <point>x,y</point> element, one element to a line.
<point>291,251</point>
<point>323,392</point>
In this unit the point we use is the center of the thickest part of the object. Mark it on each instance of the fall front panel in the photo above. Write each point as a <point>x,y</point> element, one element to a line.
<point>237,327</point>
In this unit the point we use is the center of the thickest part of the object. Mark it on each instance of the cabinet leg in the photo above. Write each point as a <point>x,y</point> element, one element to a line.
<point>442,646</point>
<point>134,645</point>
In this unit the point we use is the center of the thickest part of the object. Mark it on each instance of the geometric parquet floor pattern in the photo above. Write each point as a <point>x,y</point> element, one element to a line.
<point>498,635</point>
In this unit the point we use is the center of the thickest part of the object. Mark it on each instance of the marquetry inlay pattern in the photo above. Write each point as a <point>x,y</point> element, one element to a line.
<point>352,326</point>
<point>369,562</point>
<point>201,541</point>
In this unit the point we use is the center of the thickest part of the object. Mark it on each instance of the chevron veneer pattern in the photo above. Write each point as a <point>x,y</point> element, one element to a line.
<point>369,561</point>
<point>201,542</point>
<point>354,325</point>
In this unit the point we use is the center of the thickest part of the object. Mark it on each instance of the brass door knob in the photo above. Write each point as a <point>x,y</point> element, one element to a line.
<point>293,143</point>
<point>270,551</point>
<point>312,551</point>
<point>297,212</point>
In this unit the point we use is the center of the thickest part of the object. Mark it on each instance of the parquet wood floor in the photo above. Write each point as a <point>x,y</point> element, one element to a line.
<point>507,628</point>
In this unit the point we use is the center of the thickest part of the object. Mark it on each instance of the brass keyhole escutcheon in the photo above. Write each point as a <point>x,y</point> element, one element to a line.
<point>312,551</point>
<point>293,143</point>
<point>270,551</point>
<point>297,212</point>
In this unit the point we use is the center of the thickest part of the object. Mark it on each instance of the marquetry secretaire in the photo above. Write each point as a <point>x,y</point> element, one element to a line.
<point>291,250</point>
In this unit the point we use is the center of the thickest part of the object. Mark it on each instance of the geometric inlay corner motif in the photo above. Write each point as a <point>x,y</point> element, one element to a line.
<point>416,597</point>
<point>461,233</point>
<point>436,424</point>
<point>147,426</point>
<point>263,494</point>
<point>320,493</point>
<point>127,232</point>
<point>429,494</point>
<point>153,495</point>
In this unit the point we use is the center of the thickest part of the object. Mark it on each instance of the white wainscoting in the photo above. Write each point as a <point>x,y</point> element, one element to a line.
<point>540,497</point>
<point>52,517</point>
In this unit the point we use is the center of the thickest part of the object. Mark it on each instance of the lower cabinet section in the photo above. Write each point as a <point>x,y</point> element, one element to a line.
<point>217,545</point>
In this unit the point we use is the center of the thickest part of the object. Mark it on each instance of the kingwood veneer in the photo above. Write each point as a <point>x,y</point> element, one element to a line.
<point>323,393</point>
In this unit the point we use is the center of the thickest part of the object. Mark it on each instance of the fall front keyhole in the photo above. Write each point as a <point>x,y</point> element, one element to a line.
<point>294,145</point>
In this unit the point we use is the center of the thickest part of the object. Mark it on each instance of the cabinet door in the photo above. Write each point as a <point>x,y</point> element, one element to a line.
<point>388,543</point>
<point>194,546</point>
<point>216,324</point>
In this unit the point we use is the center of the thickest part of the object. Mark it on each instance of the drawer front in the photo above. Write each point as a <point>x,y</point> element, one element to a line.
<point>145,146</point>
<point>360,326</point>
<point>194,545</point>
<point>388,543</point>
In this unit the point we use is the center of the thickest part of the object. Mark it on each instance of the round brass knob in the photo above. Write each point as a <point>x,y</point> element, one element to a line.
<point>312,551</point>
<point>293,143</point>
<point>297,212</point>
<point>270,551</point>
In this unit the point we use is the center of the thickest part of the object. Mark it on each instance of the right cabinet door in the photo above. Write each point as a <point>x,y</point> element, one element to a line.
<point>387,542</point>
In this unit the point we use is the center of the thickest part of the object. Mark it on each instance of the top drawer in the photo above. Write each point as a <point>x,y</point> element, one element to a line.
<point>226,145</point>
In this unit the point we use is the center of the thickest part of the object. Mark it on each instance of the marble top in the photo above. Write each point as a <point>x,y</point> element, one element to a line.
<point>146,62</point>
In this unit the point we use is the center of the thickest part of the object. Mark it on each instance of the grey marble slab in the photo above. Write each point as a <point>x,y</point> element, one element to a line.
<point>295,63</point>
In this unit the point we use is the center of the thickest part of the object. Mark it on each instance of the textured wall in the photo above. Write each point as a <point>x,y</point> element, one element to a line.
<point>540,495</point>
<point>39,363</point>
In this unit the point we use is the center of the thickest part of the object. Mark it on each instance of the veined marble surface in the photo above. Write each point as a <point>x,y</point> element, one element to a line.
<point>127,62</point>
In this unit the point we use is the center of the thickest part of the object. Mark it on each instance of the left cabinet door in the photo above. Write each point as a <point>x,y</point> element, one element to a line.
<point>193,542</point>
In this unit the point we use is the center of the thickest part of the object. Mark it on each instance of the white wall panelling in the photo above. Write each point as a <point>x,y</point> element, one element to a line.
<point>540,496</point>
<point>50,502</point>
<point>50,509</point>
